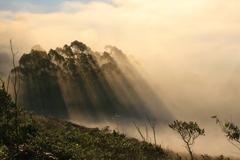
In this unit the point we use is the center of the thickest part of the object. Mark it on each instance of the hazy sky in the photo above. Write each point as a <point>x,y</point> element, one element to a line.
<point>190,48</point>
<point>36,6</point>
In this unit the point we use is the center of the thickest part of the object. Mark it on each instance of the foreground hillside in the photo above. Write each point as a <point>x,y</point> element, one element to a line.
<point>58,139</point>
<point>30,137</point>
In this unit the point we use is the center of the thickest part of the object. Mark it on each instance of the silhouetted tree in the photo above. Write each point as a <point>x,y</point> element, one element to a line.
<point>152,124</point>
<point>189,132</point>
<point>231,130</point>
<point>16,88</point>
<point>139,131</point>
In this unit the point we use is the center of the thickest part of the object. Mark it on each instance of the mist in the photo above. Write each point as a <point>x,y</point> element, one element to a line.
<point>188,52</point>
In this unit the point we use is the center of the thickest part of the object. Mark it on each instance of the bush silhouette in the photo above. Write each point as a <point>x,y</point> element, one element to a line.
<point>231,130</point>
<point>189,132</point>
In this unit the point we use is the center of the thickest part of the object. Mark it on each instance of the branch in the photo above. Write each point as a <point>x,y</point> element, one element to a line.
<point>139,131</point>
<point>234,144</point>
<point>15,74</point>
<point>153,125</point>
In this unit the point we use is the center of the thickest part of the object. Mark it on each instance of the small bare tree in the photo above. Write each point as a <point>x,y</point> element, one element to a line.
<point>152,124</point>
<point>16,86</point>
<point>139,131</point>
<point>146,132</point>
<point>145,137</point>
<point>231,130</point>
<point>15,81</point>
<point>189,132</point>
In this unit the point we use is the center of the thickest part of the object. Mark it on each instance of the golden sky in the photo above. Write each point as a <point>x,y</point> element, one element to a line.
<point>190,48</point>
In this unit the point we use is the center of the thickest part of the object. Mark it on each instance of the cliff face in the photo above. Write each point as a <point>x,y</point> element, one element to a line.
<point>74,81</point>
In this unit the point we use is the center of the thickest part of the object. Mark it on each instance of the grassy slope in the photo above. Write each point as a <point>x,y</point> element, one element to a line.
<point>57,139</point>
<point>64,140</point>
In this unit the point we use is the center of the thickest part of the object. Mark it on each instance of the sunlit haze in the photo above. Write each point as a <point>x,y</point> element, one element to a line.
<point>188,51</point>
